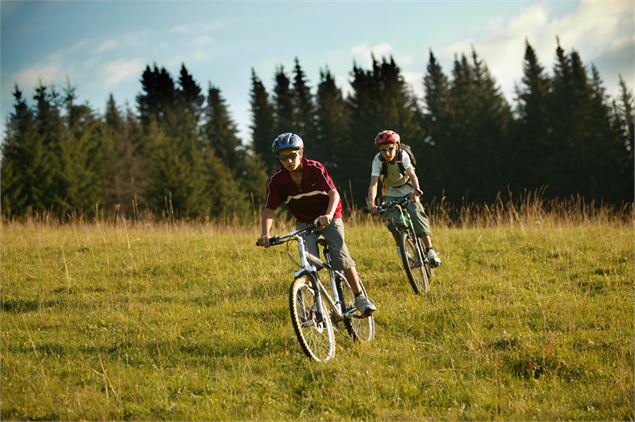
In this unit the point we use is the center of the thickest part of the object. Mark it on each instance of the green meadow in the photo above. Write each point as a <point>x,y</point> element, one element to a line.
<point>146,321</point>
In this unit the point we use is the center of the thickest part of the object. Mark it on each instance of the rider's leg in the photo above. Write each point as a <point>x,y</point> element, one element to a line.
<point>353,279</point>
<point>422,228</point>
<point>342,260</point>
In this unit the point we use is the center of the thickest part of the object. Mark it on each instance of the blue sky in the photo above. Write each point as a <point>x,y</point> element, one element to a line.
<point>102,47</point>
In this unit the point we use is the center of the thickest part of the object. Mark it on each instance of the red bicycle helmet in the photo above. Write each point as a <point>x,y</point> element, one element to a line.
<point>386,137</point>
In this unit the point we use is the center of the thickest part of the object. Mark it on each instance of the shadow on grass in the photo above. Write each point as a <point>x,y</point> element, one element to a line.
<point>19,306</point>
<point>175,351</point>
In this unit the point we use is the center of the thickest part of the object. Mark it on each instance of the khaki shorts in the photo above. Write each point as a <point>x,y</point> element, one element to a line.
<point>334,236</point>
<point>417,214</point>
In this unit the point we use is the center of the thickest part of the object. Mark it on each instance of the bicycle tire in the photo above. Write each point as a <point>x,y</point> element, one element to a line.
<point>413,261</point>
<point>426,263</point>
<point>360,329</point>
<point>312,326</point>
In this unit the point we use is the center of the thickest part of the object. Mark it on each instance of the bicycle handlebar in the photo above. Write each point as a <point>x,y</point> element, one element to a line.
<point>278,240</point>
<point>387,205</point>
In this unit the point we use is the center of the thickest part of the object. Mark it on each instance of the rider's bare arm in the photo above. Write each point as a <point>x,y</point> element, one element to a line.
<point>415,183</point>
<point>372,193</point>
<point>325,219</point>
<point>266,223</point>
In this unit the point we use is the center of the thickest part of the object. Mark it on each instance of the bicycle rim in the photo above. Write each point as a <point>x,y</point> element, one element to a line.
<point>426,266</point>
<point>312,326</point>
<point>413,262</point>
<point>361,329</point>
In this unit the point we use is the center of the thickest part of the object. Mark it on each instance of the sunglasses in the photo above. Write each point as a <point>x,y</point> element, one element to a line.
<point>391,149</point>
<point>292,155</point>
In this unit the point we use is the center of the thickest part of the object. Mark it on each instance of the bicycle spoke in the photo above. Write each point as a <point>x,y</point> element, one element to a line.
<point>313,329</point>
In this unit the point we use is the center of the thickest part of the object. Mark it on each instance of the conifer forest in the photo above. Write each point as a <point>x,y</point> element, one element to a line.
<point>177,152</point>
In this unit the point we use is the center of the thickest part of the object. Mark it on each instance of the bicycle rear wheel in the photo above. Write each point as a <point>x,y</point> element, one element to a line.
<point>362,329</point>
<point>311,323</point>
<point>413,262</point>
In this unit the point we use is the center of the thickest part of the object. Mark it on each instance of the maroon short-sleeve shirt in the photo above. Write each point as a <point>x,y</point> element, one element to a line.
<point>307,201</point>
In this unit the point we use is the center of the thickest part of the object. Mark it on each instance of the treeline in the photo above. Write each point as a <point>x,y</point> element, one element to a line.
<point>177,154</point>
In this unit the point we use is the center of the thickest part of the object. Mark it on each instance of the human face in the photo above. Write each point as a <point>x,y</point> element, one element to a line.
<point>388,151</point>
<point>290,158</point>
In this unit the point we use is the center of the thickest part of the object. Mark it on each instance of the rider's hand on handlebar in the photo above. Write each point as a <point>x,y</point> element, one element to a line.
<point>372,208</point>
<point>414,195</point>
<point>322,221</point>
<point>263,241</point>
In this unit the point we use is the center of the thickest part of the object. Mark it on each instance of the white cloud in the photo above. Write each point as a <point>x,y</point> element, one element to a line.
<point>362,53</point>
<point>107,45</point>
<point>200,28</point>
<point>29,78</point>
<point>203,41</point>
<point>119,70</point>
<point>592,29</point>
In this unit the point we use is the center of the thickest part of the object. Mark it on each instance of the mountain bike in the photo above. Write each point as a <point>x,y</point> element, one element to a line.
<point>411,250</point>
<point>315,311</point>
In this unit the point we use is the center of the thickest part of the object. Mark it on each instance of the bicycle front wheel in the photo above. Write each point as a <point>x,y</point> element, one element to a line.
<point>311,322</point>
<point>413,262</point>
<point>362,329</point>
<point>426,263</point>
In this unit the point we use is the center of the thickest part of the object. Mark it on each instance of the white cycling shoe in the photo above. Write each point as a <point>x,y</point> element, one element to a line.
<point>434,259</point>
<point>364,306</point>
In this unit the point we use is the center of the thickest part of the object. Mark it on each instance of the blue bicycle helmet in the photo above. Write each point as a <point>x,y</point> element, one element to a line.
<point>286,141</point>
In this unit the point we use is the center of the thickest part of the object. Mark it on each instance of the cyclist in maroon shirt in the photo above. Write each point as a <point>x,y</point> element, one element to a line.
<point>311,196</point>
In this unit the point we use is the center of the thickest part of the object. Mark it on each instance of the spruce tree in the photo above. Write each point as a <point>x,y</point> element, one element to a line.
<point>262,122</point>
<point>80,154</point>
<point>238,161</point>
<point>380,100</point>
<point>283,101</point>
<point>190,93</point>
<point>48,187</point>
<point>532,125</point>
<point>332,125</point>
<point>436,121</point>
<point>124,163</point>
<point>24,162</point>
<point>220,130</point>
<point>304,118</point>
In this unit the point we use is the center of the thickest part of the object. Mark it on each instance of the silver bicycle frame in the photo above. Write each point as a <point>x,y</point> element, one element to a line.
<point>307,268</point>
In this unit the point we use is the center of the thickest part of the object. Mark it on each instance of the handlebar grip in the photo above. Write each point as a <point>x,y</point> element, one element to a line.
<point>272,241</point>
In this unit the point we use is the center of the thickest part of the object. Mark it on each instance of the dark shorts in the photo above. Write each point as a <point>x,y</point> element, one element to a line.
<point>334,236</point>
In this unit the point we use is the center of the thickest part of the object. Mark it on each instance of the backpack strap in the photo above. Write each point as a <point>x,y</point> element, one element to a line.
<point>399,159</point>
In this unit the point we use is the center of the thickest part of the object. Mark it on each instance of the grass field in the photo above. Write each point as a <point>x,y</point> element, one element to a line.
<point>191,322</point>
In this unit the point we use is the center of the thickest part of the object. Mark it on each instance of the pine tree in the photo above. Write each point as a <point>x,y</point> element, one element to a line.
<point>79,158</point>
<point>436,121</point>
<point>190,93</point>
<point>239,162</point>
<point>262,122</point>
<point>158,95</point>
<point>623,121</point>
<point>177,186</point>
<point>220,130</point>
<point>380,100</point>
<point>124,163</point>
<point>532,126</point>
<point>332,126</point>
<point>48,189</point>
<point>304,117</point>
<point>24,163</point>
<point>283,100</point>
